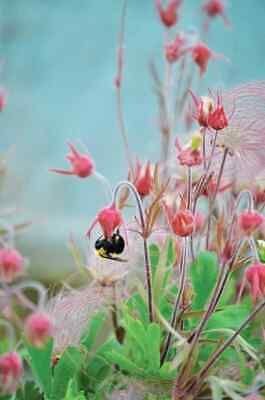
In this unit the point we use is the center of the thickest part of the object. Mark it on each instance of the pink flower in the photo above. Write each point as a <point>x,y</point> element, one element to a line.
<point>169,14</point>
<point>144,180</point>
<point>109,219</point>
<point>2,99</point>
<point>249,221</point>
<point>10,372</point>
<point>11,264</point>
<point>38,328</point>
<point>255,275</point>
<point>82,164</point>
<point>203,107</point>
<point>182,222</point>
<point>210,188</point>
<point>190,157</point>
<point>176,49</point>
<point>215,8</point>
<point>217,118</point>
<point>201,55</point>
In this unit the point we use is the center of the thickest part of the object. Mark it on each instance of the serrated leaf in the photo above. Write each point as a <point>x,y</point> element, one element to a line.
<point>95,326</point>
<point>67,367</point>
<point>40,363</point>
<point>203,276</point>
<point>153,346</point>
<point>124,363</point>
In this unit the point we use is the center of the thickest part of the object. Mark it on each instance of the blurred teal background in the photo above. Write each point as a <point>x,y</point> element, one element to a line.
<point>58,63</point>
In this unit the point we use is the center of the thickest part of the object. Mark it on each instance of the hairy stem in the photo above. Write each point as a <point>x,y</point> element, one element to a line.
<point>148,271</point>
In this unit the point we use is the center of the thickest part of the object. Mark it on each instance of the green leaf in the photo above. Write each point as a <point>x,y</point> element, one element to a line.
<point>153,346</point>
<point>229,318</point>
<point>95,326</point>
<point>67,367</point>
<point>203,275</point>
<point>124,363</point>
<point>72,392</point>
<point>40,362</point>
<point>136,330</point>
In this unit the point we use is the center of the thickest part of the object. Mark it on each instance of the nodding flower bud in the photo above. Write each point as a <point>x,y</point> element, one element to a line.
<point>203,107</point>
<point>109,219</point>
<point>201,55</point>
<point>255,275</point>
<point>176,49</point>
<point>11,370</point>
<point>82,164</point>
<point>2,99</point>
<point>215,8</point>
<point>249,221</point>
<point>169,14</point>
<point>182,222</point>
<point>144,180</point>
<point>217,118</point>
<point>11,264</point>
<point>190,157</point>
<point>38,328</point>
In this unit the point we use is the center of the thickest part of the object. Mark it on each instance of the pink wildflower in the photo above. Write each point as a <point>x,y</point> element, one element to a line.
<point>38,328</point>
<point>255,275</point>
<point>176,49</point>
<point>250,221</point>
<point>218,119</point>
<point>215,8</point>
<point>201,55</point>
<point>11,264</point>
<point>169,14</point>
<point>203,107</point>
<point>190,157</point>
<point>144,180</point>
<point>109,219</point>
<point>182,222</point>
<point>2,99</point>
<point>10,372</point>
<point>82,164</point>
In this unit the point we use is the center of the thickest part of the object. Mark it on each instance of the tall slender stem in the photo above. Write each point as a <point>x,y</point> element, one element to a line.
<point>148,271</point>
<point>183,275</point>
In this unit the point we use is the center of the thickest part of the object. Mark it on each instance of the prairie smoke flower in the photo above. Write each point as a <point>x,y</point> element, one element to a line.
<point>70,311</point>
<point>10,372</point>
<point>182,222</point>
<point>201,55</point>
<point>203,107</point>
<point>244,137</point>
<point>215,8</point>
<point>176,49</point>
<point>38,328</point>
<point>217,118</point>
<point>143,180</point>
<point>210,188</point>
<point>250,221</point>
<point>190,157</point>
<point>2,99</point>
<point>82,164</point>
<point>255,275</point>
<point>109,219</point>
<point>168,14</point>
<point>11,264</point>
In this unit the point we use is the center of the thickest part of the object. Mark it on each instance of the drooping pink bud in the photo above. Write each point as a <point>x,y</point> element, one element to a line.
<point>82,164</point>
<point>2,99</point>
<point>255,275</point>
<point>169,14</point>
<point>182,222</point>
<point>11,264</point>
<point>11,370</point>
<point>201,55</point>
<point>176,49</point>
<point>249,221</point>
<point>144,180</point>
<point>109,219</point>
<point>215,8</point>
<point>217,118</point>
<point>38,328</point>
<point>203,107</point>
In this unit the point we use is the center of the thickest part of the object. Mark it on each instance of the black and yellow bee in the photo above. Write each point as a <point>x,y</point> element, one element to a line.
<point>110,247</point>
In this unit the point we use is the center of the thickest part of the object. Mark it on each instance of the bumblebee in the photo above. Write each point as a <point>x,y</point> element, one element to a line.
<point>110,247</point>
